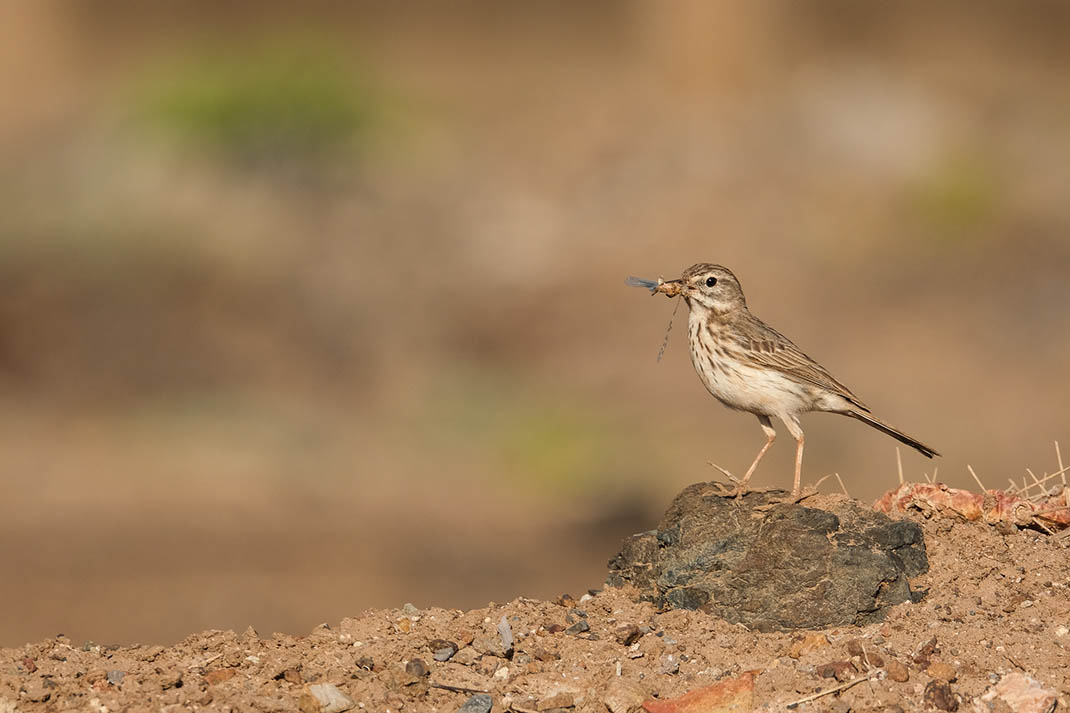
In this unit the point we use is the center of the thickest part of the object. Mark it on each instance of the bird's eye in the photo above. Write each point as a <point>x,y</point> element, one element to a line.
<point>711,281</point>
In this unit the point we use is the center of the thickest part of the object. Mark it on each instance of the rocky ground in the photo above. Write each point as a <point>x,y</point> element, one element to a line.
<point>991,635</point>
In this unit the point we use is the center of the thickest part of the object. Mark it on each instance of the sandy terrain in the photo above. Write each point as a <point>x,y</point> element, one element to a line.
<point>997,610</point>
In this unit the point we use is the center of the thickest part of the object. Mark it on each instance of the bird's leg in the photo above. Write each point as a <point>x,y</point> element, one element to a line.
<point>795,428</point>
<point>798,464</point>
<point>770,436</point>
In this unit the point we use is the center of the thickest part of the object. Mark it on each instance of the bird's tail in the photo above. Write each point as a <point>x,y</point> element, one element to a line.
<point>894,433</point>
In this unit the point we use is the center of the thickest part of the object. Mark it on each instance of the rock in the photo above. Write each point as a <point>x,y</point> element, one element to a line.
<point>926,651</point>
<point>840,670</point>
<point>624,696</point>
<point>214,678</point>
<point>366,663</point>
<point>578,628</point>
<point>410,609</point>
<point>626,634</point>
<point>938,695</point>
<point>811,641</point>
<point>417,668</point>
<point>942,671</point>
<point>1023,694</point>
<point>732,695</point>
<point>506,633</point>
<point>479,703</point>
<point>116,677</point>
<point>442,650</point>
<point>324,698</point>
<point>897,671</point>
<point>788,567</point>
<point>669,665</point>
<point>855,647</point>
<point>563,699</point>
<point>466,656</point>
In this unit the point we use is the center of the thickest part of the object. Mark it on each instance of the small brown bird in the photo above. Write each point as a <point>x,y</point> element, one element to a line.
<point>749,366</point>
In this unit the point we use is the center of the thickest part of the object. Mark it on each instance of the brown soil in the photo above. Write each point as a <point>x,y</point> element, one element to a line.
<point>997,604</point>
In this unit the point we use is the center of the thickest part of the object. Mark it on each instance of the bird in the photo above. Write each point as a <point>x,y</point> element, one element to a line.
<point>749,366</point>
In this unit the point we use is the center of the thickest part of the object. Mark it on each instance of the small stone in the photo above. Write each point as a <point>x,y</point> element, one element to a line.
<point>479,703</point>
<point>544,655</point>
<point>116,677</point>
<point>565,600</point>
<point>410,609</point>
<point>466,656</point>
<point>563,699</point>
<point>324,698</point>
<point>624,696</point>
<point>442,650</point>
<point>404,625</point>
<point>626,634</point>
<point>1013,603</point>
<point>214,678</point>
<point>734,694</point>
<point>578,628</point>
<point>366,663</point>
<point>502,673</point>
<point>555,628</point>
<point>812,641</point>
<point>897,671</point>
<point>938,695</point>
<point>29,664</point>
<point>840,670</point>
<point>942,671</point>
<point>1062,631</point>
<point>417,668</point>
<point>855,647</point>
<point>669,665</point>
<point>1023,694</point>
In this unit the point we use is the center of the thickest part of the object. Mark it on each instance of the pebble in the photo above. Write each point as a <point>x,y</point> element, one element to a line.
<point>938,695</point>
<point>942,671</point>
<point>1062,631</point>
<point>840,670</point>
<point>810,642</point>
<point>626,634</point>
<point>442,650</point>
<point>325,698</point>
<point>896,671</point>
<point>624,696</point>
<point>479,703</point>
<point>410,609</point>
<point>669,665</point>
<point>578,628</point>
<point>417,668</point>
<point>854,647</point>
<point>116,677</point>
<point>563,699</point>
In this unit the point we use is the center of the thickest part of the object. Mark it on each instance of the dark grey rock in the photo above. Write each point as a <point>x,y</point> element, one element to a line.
<point>479,703</point>
<point>578,628</point>
<point>782,567</point>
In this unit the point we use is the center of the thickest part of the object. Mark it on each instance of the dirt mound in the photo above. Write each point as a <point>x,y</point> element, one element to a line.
<point>997,611</point>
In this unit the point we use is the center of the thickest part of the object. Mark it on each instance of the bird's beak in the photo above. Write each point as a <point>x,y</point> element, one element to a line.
<point>669,288</point>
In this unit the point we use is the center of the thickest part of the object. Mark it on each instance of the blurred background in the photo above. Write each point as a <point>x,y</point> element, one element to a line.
<point>304,312</point>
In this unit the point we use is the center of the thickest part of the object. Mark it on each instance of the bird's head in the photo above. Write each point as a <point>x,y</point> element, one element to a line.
<point>709,287</point>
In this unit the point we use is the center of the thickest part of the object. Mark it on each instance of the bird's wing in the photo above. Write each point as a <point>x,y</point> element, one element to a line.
<point>769,348</point>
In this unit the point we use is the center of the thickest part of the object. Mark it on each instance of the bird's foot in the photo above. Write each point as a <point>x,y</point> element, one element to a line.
<point>795,497</point>
<point>726,490</point>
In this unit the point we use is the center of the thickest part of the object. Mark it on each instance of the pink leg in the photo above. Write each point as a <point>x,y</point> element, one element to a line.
<point>770,436</point>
